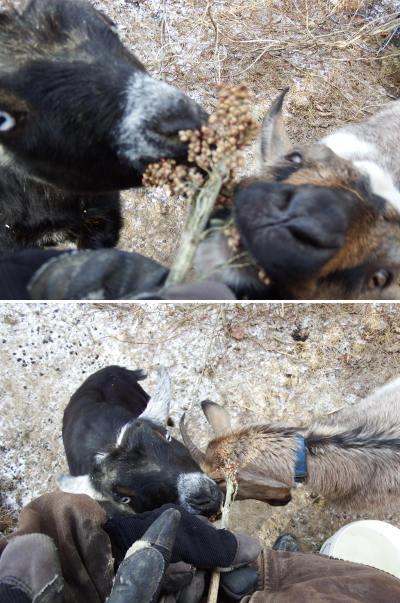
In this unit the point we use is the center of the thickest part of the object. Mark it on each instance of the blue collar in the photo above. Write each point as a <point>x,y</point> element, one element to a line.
<point>300,466</point>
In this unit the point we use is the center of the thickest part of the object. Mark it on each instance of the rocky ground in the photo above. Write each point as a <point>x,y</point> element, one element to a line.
<point>283,362</point>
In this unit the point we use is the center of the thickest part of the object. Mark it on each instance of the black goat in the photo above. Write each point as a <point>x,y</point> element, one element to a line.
<point>80,119</point>
<point>119,450</point>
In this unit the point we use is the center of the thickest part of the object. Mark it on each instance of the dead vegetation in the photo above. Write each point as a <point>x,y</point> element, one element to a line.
<point>327,52</point>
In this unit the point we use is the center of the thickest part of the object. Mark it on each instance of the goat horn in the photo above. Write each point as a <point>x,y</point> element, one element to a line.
<point>158,406</point>
<point>196,453</point>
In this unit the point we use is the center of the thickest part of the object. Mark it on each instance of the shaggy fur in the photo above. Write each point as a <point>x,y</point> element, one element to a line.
<point>353,458</point>
<point>80,120</point>
<point>323,220</point>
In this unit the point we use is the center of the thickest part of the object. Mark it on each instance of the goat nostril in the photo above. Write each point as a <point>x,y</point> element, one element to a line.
<point>381,279</point>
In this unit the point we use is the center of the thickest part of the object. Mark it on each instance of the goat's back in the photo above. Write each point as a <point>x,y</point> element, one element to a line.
<point>372,423</point>
<point>105,402</point>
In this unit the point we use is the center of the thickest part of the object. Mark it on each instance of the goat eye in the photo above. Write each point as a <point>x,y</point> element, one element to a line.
<point>126,500</point>
<point>7,121</point>
<point>295,158</point>
<point>381,279</point>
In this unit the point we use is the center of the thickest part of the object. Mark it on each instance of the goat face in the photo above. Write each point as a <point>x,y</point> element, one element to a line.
<point>77,109</point>
<point>314,223</point>
<point>148,468</point>
<point>119,450</point>
<point>221,452</point>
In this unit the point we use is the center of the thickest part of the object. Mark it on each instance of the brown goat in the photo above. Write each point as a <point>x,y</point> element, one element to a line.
<point>352,459</point>
<point>322,221</point>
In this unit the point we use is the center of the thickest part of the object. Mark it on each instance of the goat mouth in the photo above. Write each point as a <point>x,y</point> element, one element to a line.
<point>274,502</point>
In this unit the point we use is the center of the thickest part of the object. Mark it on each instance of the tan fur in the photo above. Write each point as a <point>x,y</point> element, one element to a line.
<point>358,474</point>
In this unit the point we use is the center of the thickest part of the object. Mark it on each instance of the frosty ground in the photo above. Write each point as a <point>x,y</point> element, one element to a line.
<point>282,362</point>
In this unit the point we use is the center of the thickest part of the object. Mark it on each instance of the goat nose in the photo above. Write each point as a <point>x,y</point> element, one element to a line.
<point>183,114</point>
<point>206,500</point>
<point>290,231</point>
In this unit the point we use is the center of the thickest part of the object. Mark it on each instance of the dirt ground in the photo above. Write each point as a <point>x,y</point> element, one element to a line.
<point>337,56</point>
<point>282,362</point>
<point>308,45</point>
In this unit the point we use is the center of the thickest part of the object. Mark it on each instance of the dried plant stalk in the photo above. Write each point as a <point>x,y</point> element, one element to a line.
<point>231,490</point>
<point>198,214</point>
<point>216,149</point>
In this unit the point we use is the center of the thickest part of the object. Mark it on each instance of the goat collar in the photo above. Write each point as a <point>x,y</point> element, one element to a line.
<point>300,465</point>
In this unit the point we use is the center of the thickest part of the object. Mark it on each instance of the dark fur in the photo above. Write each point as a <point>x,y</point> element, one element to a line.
<point>145,465</point>
<point>64,78</point>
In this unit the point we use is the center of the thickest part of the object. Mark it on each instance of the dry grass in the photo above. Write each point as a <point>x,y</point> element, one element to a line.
<point>8,519</point>
<point>270,45</point>
<point>290,363</point>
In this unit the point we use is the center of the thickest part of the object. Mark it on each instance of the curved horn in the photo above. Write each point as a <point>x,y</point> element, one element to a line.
<point>196,453</point>
<point>158,406</point>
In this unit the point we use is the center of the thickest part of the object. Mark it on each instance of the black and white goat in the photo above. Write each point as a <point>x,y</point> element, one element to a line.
<point>79,120</point>
<point>119,450</point>
<point>352,458</point>
<point>322,221</point>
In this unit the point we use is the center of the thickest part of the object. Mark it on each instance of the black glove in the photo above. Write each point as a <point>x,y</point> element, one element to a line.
<point>97,274</point>
<point>197,544</point>
<point>140,575</point>
<point>17,269</point>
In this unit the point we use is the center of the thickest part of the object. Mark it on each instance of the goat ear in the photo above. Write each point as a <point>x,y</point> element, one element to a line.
<point>216,416</point>
<point>275,141</point>
<point>158,406</point>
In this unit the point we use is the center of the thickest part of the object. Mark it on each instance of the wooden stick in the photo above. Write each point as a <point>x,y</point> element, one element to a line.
<point>198,214</point>
<point>231,490</point>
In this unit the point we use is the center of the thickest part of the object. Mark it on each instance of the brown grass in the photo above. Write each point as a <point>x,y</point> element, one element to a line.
<point>270,44</point>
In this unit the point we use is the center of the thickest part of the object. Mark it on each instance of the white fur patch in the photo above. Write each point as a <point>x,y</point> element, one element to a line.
<point>6,158</point>
<point>137,546</point>
<point>381,182</point>
<point>99,457</point>
<point>146,98</point>
<point>189,484</point>
<point>348,146</point>
<point>392,386</point>
<point>78,484</point>
<point>120,434</point>
<point>158,406</point>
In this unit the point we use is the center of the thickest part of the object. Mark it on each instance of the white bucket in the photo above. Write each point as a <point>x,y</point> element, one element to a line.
<point>370,542</point>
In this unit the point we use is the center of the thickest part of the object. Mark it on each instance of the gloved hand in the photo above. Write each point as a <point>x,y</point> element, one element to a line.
<point>96,274</point>
<point>197,544</point>
<point>140,575</point>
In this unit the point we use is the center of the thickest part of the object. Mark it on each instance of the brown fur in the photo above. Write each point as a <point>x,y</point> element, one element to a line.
<point>340,239</point>
<point>353,459</point>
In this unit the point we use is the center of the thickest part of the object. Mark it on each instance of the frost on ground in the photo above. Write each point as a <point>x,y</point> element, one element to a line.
<point>281,362</point>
